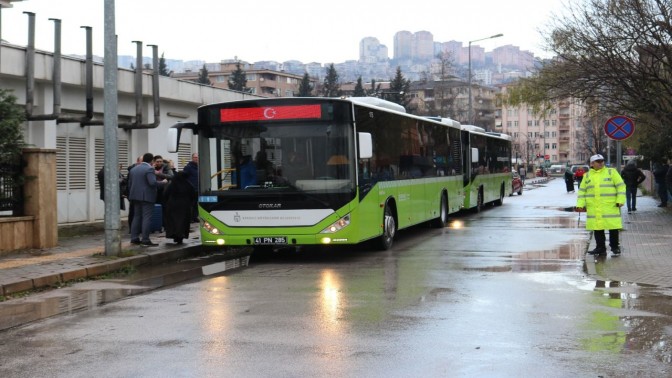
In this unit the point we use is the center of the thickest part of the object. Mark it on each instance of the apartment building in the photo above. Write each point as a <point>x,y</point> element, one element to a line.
<point>552,138</point>
<point>261,82</point>
<point>450,98</point>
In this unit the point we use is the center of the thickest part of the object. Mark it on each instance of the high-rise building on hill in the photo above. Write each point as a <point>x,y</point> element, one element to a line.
<point>423,45</point>
<point>512,56</point>
<point>403,45</point>
<point>372,51</point>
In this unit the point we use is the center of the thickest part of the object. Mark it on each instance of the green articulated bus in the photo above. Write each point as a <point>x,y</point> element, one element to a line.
<point>329,171</point>
<point>489,174</point>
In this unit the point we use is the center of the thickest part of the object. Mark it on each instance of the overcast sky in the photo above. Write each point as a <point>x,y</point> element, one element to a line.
<point>304,30</point>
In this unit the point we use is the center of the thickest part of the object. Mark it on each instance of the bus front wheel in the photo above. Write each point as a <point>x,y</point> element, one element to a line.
<point>389,230</point>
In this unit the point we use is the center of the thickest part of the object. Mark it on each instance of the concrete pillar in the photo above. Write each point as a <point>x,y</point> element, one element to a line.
<point>40,195</point>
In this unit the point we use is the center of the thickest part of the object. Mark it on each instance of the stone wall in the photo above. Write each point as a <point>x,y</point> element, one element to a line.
<point>38,228</point>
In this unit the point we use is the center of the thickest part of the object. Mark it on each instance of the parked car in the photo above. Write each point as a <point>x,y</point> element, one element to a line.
<point>516,184</point>
<point>573,168</point>
<point>557,170</point>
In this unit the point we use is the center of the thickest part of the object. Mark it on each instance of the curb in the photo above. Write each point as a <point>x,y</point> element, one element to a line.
<point>148,258</point>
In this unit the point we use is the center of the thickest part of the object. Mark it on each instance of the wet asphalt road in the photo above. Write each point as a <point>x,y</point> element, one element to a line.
<point>501,293</point>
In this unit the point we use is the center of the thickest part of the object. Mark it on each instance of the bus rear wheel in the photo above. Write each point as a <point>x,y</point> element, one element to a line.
<point>442,220</point>
<point>479,201</point>
<point>389,230</point>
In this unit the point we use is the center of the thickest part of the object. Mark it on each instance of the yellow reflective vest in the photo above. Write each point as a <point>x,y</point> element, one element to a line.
<point>599,193</point>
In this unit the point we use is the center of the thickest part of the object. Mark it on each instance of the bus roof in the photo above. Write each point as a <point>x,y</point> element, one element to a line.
<point>447,121</point>
<point>473,128</point>
<point>480,130</point>
<point>501,135</point>
<point>378,102</point>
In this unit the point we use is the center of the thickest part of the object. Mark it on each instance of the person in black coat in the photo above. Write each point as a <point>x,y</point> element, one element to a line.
<point>632,177</point>
<point>178,198</point>
<point>569,180</point>
<point>668,179</point>
<point>659,173</point>
<point>191,172</point>
<point>122,187</point>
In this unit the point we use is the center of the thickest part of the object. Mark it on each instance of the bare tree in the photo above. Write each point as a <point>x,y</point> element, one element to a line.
<point>615,53</point>
<point>444,93</point>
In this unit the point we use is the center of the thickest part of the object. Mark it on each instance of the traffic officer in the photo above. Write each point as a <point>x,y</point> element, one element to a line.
<point>601,195</point>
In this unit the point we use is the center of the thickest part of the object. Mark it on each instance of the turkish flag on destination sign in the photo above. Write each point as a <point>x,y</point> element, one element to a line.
<point>269,113</point>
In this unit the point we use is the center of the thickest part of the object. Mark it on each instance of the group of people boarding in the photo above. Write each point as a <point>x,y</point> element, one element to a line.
<point>151,182</point>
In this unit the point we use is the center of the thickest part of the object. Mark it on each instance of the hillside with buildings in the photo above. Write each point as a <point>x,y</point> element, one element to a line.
<point>438,72</point>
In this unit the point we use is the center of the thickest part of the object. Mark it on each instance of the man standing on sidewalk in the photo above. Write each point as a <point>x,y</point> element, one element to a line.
<point>659,172</point>
<point>601,195</point>
<point>142,194</point>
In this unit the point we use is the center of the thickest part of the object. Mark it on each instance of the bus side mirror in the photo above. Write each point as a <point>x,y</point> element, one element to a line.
<point>365,145</point>
<point>474,155</point>
<point>174,133</point>
<point>173,139</point>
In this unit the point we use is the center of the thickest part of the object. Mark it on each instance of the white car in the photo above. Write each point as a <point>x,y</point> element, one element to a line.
<point>556,170</point>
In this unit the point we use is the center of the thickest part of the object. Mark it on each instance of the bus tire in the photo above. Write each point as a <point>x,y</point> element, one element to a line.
<point>389,229</point>
<point>442,220</point>
<point>479,201</point>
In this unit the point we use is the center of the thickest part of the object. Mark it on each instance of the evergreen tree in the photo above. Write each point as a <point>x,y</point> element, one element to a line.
<point>163,68</point>
<point>399,89</point>
<point>11,117</point>
<point>11,143</point>
<point>203,76</point>
<point>305,88</point>
<point>359,89</point>
<point>375,89</point>
<point>331,87</point>
<point>238,80</point>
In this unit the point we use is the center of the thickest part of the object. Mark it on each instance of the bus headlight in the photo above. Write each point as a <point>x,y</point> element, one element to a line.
<point>211,229</point>
<point>337,226</point>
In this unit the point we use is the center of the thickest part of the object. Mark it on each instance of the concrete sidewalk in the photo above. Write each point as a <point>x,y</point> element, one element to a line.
<point>82,256</point>
<point>646,259</point>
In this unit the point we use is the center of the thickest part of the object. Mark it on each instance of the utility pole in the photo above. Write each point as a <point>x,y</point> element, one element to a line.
<point>112,198</point>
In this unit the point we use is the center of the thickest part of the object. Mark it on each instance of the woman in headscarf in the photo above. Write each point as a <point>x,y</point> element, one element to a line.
<point>178,198</point>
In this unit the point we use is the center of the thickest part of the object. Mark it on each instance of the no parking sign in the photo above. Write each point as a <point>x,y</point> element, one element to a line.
<point>619,127</point>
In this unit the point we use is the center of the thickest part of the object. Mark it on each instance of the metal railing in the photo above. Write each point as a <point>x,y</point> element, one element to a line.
<point>11,192</point>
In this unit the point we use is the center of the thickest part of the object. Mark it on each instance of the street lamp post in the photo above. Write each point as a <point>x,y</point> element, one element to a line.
<point>470,110</point>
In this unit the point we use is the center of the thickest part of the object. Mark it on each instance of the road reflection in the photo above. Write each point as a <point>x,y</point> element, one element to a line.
<point>331,304</point>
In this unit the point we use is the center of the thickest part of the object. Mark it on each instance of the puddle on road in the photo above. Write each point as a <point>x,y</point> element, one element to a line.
<point>92,294</point>
<point>631,318</point>
<point>627,317</point>
<point>518,222</point>
<point>561,258</point>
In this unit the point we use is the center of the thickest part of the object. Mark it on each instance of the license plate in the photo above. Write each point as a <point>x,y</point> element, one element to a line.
<point>270,240</point>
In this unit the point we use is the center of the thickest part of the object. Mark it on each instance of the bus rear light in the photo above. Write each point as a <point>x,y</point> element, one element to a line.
<point>211,229</point>
<point>337,226</point>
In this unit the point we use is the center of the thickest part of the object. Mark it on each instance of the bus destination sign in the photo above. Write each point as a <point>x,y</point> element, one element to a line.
<point>271,113</point>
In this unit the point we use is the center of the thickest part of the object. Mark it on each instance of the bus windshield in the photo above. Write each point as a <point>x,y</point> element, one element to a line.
<point>253,158</point>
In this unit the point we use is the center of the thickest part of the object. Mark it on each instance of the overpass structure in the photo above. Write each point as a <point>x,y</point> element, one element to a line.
<point>64,101</point>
